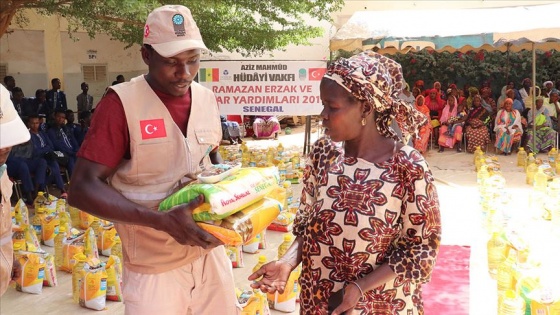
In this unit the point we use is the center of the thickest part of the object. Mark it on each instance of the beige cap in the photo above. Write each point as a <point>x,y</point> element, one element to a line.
<point>171,30</point>
<point>12,129</point>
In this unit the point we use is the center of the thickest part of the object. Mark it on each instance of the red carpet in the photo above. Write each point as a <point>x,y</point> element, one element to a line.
<point>448,291</point>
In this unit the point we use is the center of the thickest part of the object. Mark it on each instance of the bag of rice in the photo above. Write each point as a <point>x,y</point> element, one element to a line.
<point>228,196</point>
<point>93,287</point>
<point>242,226</point>
<point>114,279</point>
<point>32,273</point>
<point>235,254</point>
<point>71,246</point>
<point>106,239</point>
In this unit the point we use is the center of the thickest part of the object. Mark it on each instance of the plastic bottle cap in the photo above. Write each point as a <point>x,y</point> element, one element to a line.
<point>287,237</point>
<point>262,259</point>
<point>61,228</point>
<point>80,257</point>
<point>41,210</point>
<point>510,294</point>
<point>287,184</point>
<point>40,193</point>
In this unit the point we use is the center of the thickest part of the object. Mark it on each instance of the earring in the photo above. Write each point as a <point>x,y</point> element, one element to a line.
<point>363,121</point>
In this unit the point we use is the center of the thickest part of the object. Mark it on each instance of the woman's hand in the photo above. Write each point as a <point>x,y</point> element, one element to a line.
<point>351,297</point>
<point>271,277</point>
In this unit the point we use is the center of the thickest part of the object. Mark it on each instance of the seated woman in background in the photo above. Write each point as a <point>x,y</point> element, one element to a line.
<point>435,104</point>
<point>544,136</point>
<point>421,143</point>
<point>476,131</point>
<point>507,127</point>
<point>230,131</point>
<point>451,130</point>
<point>266,127</point>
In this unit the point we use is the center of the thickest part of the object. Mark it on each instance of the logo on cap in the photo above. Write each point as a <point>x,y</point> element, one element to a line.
<point>146,30</point>
<point>179,24</point>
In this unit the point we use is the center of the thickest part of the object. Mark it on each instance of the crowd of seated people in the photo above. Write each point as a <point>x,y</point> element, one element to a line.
<point>472,115</point>
<point>50,155</point>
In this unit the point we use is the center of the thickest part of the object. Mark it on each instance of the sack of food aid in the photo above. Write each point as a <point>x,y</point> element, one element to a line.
<point>32,272</point>
<point>93,285</point>
<point>114,278</point>
<point>106,239</point>
<point>231,194</point>
<point>243,226</point>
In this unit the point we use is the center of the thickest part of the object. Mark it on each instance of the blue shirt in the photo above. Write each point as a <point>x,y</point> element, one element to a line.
<point>517,104</point>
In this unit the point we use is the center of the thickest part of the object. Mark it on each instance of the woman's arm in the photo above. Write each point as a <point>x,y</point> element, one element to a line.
<point>292,256</point>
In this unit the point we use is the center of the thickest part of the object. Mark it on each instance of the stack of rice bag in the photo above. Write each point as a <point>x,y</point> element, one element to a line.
<point>235,208</point>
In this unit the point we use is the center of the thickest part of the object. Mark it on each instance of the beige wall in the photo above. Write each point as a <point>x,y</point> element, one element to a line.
<point>24,55</point>
<point>44,50</point>
<point>112,54</point>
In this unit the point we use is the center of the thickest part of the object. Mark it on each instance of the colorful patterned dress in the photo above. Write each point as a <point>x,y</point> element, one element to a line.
<point>266,126</point>
<point>355,216</point>
<point>421,143</point>
<point>476,131</point>
<point>545,136</point>
<point>506,135</point>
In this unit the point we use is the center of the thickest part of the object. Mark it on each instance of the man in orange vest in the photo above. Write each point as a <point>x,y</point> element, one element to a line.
<point>148,137</point>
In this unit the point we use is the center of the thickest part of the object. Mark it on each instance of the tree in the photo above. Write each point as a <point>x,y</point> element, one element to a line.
<point>249,27</point>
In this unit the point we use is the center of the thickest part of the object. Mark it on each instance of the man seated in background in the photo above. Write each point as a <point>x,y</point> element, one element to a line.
<point>37,105</point>
<point>230,131</point>
<point>30,170</point>
<point>20,103</point>
<point>63,142</point>
<point>71,127</point>
<point>43,148</point>
<point>84,120</point>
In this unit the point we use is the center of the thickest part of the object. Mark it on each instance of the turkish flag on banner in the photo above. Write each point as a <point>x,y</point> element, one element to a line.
<point>152,128</point>
<point>316,74</point>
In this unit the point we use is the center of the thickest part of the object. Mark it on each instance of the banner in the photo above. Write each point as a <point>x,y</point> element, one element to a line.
<point>264,87</point>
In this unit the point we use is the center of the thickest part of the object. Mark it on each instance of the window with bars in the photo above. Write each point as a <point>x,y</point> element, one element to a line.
<point>3,70</point>
<point>94,73</point>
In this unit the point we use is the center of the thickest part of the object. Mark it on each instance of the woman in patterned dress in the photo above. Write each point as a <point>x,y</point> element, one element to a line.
<point>508,127</point>
<point>421,143</point>
<point>476,129</point>
<point>369,218</point>
<point>545,136</point>
<point>266,127</point>
<point>452,121</point>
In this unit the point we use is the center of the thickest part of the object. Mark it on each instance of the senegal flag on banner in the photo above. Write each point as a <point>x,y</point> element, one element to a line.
<point>209,75</point>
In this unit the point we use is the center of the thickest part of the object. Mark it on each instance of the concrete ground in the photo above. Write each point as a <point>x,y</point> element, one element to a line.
<point>461,224</point>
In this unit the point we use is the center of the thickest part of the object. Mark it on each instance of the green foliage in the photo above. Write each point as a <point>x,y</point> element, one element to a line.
<point>475,67</point>
<point>249,27</point>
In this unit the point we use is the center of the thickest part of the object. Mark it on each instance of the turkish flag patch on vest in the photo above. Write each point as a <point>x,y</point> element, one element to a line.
<point>152,128</point>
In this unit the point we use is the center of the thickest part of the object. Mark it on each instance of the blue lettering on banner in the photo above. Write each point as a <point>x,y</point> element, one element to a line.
<point>263,109</point>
